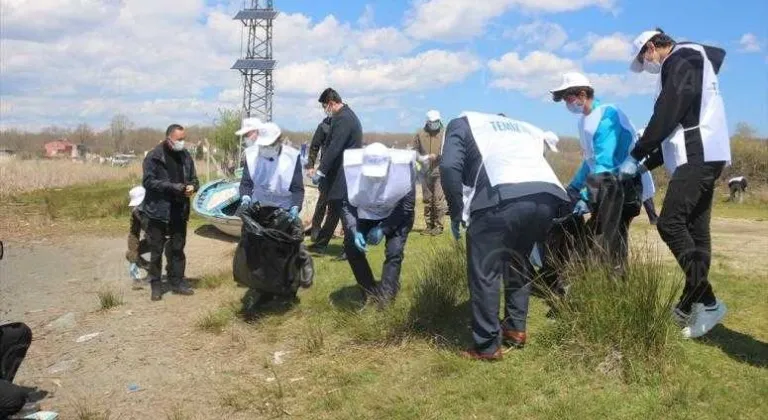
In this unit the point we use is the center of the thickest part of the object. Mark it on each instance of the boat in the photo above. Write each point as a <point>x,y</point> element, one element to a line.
<point>217,202</point>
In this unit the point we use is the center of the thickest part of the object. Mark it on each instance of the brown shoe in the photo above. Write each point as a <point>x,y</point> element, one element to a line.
<point>513,338</point>
<point>476,355</point>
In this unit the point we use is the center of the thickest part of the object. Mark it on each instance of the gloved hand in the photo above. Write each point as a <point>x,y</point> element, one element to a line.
<point>629,168</point>
<point>294,213</point>
<point>581,208</point>
<point>375,236</point>
<point>245,202</point>
<point>456,228</point>
<point>360,242</point>
<point>317,177</point>
<point>133,271</point>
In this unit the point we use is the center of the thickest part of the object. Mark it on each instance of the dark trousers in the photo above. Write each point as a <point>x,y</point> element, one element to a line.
<point>499,241</point>
<point>684,227</point>
<point>172,238</point>
<point>331,222</point>
<point>321,208</point>
<point>15,340</point>
<point>393,259</point>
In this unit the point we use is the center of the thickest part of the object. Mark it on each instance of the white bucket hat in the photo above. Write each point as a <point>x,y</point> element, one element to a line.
<point>433,115</point>
<point>551,140</point>
<point>136,195</point>
<point>572,79</point>
<point>375,160</point>
<point>249,124</point>
<point>268,134</point>
<point>637,45</point>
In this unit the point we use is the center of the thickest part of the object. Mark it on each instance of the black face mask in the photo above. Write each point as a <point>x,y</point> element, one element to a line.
<point>433,126</point>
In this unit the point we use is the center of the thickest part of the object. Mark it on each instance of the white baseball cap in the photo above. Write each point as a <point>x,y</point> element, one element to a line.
<point>375,160</point>
<point>551,140</point>
<point>268,134</point>
<point>433,115</point>
<point>572,79</point>
<point>249,124</point>
<point>637,45</point>
<point>136,195</point>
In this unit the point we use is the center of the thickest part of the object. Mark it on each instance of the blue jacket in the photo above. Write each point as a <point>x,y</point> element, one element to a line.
<point>609,134</point>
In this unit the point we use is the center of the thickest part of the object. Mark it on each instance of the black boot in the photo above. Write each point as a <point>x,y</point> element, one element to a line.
<point>182,288</point>
<point>157,290</point>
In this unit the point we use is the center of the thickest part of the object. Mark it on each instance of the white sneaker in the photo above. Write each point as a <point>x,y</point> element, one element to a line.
<point>704,318</point>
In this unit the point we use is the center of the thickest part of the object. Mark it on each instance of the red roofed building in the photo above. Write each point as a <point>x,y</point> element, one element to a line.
<point>61,148</point>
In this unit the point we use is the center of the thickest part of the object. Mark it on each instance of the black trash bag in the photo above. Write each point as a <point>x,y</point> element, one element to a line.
<point>270,257</point>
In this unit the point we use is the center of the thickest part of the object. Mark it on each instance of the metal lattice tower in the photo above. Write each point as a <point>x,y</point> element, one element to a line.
<point>257,64</point>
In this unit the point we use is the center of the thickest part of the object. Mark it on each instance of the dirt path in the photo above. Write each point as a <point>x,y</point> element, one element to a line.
<point>155,345</point>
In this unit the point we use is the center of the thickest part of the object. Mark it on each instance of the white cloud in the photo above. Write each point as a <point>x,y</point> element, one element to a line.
<point>533,75</point>
<point>537,73</point>
<point>366,20</point>
<point>458,20</point>
<point>44,20</point>
<point>750,43</point>
<point>545,35</point>
<point>616,47</point>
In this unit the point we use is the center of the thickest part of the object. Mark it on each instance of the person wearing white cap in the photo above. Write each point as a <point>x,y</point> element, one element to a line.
<point>136,245</point>
<point>381,200</point>
<point>499,184</point>
<point>428,142</point>
<point>688,133</point>
<point>272,175</point>
<point>606,136</point>
<point>249,130</point>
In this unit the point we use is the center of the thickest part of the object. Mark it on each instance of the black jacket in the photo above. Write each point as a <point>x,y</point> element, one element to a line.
<point>459,166</point>
<point>346,133</point>
<point>161,193</point>
<point>679,103</point>
<point>296,188</point>
<point>319,141</point>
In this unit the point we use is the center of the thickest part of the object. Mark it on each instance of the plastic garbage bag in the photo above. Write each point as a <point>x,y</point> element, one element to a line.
<point>270,257</point>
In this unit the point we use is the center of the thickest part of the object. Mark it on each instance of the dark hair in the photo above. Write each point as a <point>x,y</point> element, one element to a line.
<point>660,40</point>
<point>329,95</point>
<point>575,91</point>
<point>171,128</point>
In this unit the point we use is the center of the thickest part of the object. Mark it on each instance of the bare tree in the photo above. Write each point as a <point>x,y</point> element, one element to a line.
<point>118,129</point>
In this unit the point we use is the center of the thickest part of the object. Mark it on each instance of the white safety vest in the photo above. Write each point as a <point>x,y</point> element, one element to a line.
<point>272,179</point>
<point>713,125</point>
<point>376,198</point>
<point>588,125</point>
<point>512,153</point>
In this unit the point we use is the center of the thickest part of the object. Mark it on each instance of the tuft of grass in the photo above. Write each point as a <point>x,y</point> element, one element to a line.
<point>217,320</point>
<point>214,281</point>
<point>314,338</point>
<point>109,299</point>
<point>85,411</point>
<point>617,324</point>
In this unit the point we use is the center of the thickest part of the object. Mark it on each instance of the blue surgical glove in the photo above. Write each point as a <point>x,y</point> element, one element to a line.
<point>317,177</point>
<point>375,236</point>
<point>581,208</point>
<point>245,202</point>
<point>294,212</point>
<point>360,242</point>
<point>629,168</point>
<point>456,228</point>
<point>133,271</point>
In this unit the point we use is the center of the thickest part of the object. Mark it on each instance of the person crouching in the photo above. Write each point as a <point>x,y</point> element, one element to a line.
<point>381,197</point>
<point>136,245</point>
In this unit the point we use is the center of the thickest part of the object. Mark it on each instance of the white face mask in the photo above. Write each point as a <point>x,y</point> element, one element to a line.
<point>575,107</point>
<point>652,67</point>
<point>328,110</point>
<point>269,152</point>
<point>177,146</point>
<point>250,140</point>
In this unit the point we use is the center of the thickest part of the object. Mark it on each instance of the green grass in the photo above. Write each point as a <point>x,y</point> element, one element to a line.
<point>216,321</point>
<point>109,299</point>
<point>402,362</point>
<point>214,281</point>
